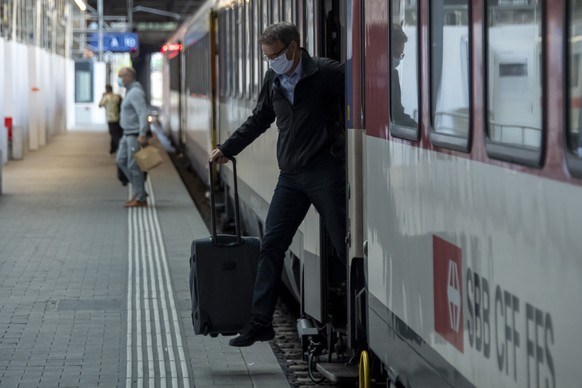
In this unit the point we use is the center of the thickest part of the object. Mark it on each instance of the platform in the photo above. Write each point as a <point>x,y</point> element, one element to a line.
<point>96,295</point>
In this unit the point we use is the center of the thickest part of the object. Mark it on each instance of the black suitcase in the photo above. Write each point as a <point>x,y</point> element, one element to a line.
<point>222,275</point>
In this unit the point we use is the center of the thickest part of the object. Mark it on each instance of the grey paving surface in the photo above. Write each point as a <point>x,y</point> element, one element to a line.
<point>64,274</point>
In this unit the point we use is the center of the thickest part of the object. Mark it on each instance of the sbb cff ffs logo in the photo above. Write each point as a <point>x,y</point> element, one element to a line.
<point>448,291</point>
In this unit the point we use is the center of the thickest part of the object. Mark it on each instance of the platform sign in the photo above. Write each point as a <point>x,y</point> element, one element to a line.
<point>114,41</point>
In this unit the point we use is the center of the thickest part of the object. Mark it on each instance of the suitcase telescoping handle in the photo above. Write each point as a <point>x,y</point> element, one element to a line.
<point>215,238</point>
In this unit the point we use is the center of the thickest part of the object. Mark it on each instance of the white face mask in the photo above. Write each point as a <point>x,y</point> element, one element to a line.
<point>281,64</point>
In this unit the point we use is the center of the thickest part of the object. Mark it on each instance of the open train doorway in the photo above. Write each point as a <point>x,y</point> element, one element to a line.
<point>325,281</point>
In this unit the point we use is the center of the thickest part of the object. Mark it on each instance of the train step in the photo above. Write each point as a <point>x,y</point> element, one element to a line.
<point>338,372</point>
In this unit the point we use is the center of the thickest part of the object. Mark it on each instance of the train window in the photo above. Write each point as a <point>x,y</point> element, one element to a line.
<point>574,90</point>
<point>404,85</point>
<point>4,19</point>
<point>449,56</point>
<point>514,81</point>
<point>575,78</point>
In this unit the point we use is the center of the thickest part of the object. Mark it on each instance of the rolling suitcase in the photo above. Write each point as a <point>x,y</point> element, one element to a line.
<point>222,275</point>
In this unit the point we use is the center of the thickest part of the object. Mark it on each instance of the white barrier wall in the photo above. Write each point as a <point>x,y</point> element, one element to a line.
<point>35,90</point>
<point>3,139</point>
<point>35,100</point>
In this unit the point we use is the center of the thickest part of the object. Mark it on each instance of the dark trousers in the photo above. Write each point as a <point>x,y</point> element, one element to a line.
<point>324,186</point>
<point>116,132</point>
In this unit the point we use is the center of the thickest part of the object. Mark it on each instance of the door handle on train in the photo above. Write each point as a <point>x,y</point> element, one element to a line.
<point>365,247</point>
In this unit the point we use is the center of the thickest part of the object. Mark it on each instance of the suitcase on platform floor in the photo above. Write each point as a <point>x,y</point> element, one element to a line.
<point>222,275</point>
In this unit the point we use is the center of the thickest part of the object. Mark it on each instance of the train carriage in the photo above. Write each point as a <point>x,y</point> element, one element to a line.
<point>464,177</point>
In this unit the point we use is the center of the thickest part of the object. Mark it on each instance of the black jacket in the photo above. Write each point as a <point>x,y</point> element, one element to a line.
<point>312,129</point>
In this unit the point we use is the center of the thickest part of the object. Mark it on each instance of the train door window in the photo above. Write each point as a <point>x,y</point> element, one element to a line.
<point>83,82</point>
<point>221,56</point>
<point>309,33</point>
<point>256,53</point>
<point>250,54</point>
<point>224,53</point>
<point>450,70</point>
<point>266,22</point>
<point>289,9</point>
<point>174,72</point>
<point>190,78</point>
<point>240,49</point>
<point>574,90</point>
<point>275,14</point>
<point>230,36</point>
<point>404,86</point>
<point>514,81</point>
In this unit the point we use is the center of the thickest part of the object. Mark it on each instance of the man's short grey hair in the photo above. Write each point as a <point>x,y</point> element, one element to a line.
<point>283,31</point>
<point>131,71</point>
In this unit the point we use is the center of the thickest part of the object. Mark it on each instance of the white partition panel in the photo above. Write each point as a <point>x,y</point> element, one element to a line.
<point>21,89</point>
<point>6,64</point>
<point>36,89</point>
<point>34,101</point>
<point>3,140</point>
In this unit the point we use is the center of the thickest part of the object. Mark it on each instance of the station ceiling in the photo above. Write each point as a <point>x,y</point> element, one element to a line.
<point>153,20</point>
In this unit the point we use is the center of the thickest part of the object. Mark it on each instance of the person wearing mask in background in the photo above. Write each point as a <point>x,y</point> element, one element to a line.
<point>112,103</point>
<point>399,116</point>
<point>306,96</point>
<point>134,121</point>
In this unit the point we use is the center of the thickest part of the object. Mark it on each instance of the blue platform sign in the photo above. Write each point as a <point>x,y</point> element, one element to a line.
<point>114,41</point>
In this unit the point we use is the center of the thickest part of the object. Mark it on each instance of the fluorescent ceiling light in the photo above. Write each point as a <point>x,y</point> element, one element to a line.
<point>81,5</point>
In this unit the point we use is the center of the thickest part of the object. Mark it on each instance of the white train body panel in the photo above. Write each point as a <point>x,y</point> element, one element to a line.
<point>504,245</point>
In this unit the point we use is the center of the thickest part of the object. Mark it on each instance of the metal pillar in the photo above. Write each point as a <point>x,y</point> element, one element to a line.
<point>100,24</point>
<point>130,15</point>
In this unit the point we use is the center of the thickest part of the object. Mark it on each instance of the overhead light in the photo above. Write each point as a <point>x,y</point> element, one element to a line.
<point>81,5</point>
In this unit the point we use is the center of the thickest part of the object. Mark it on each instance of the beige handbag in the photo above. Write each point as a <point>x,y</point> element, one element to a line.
<point>148,158</point>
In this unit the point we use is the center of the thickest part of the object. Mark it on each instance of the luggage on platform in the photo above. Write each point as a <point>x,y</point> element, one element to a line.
<point>222,275</point>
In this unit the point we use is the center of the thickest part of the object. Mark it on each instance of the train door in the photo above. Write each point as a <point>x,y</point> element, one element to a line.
<point>183,109</point>
<point>324,281</point>
<point>175,108</point>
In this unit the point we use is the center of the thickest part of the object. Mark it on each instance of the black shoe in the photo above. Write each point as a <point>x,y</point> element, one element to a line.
<point>253,332</point>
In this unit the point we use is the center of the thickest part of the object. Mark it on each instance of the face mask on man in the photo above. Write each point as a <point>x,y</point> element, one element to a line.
<point>120,82</point>
<point>281,64</point>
